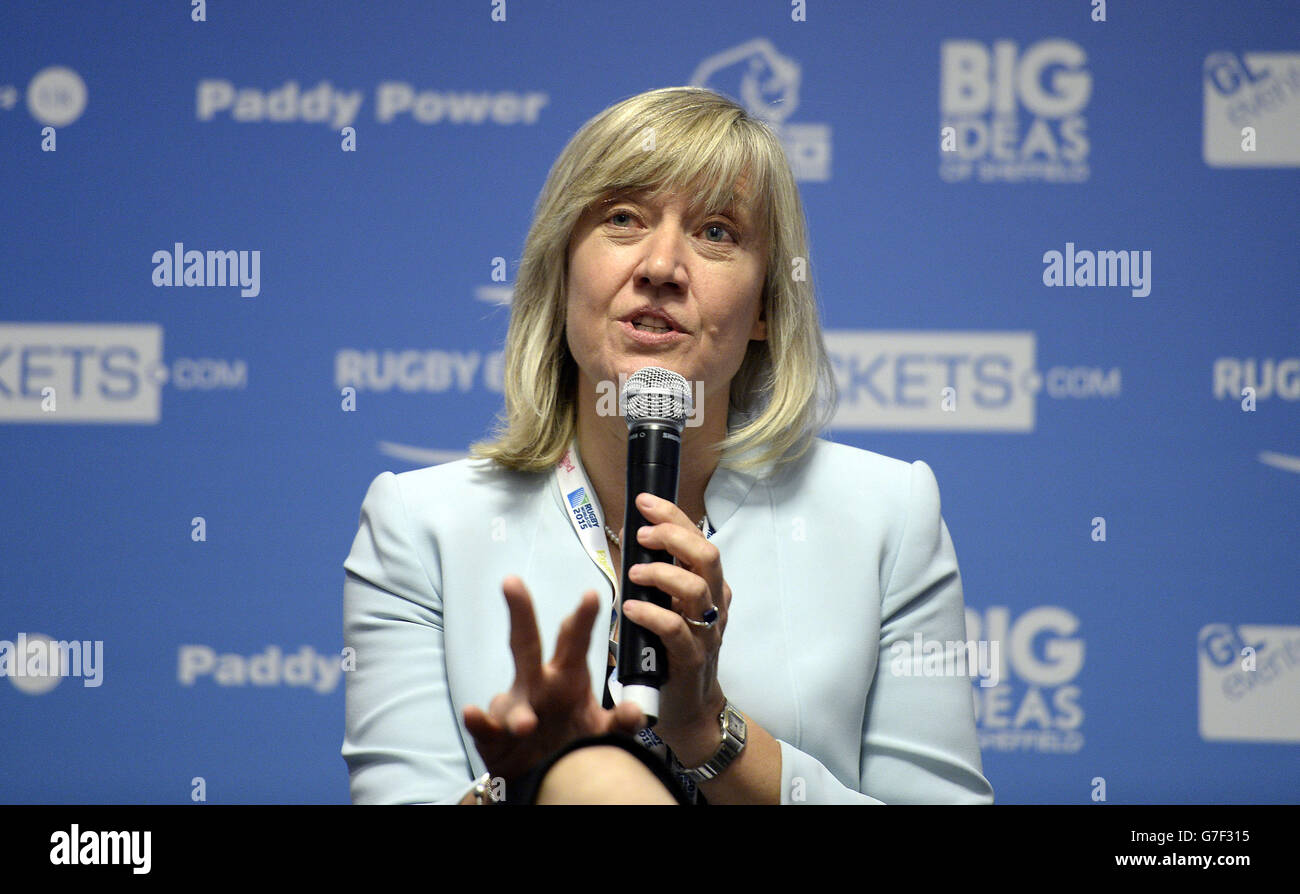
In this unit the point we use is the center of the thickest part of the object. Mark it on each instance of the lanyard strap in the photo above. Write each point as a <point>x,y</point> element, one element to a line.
<point>588,522</point>
<point>584,512</point>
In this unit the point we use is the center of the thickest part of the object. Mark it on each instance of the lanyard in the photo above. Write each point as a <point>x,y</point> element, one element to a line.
<point>585,513</point>
<point>588,521</point>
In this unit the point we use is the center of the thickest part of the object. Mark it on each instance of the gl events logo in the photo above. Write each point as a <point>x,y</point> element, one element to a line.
<point>1252,110</point>
<point>1249,682</point>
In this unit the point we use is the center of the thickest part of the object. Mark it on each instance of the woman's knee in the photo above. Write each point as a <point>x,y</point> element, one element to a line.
<point>602,774</point>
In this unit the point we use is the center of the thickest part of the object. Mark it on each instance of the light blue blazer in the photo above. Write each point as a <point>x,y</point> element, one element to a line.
<point>830,561</point>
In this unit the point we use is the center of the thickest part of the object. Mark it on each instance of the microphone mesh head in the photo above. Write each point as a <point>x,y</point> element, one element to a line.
<point>660,394</point>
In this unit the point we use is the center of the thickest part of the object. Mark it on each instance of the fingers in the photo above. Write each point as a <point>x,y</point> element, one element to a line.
<point>675,633</point>
<point>664,510</point>
<point>575,633</point>
<point>525,642</point>
<point>520,719</point>
<point>690,593</point>
<point>483,728</point>
<point>512,711</point>
<point>546,705</point>
<point>724,610</point>
<point>671,530</point>
<point>696,583</point>
<point>514,714</point>
<point>688,547</point>
<point>628,718</point>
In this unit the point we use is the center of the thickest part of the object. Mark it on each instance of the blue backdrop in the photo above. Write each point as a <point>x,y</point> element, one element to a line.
<point>183,464</point>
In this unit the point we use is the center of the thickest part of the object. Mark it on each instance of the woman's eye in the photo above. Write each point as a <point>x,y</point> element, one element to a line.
<point>716,232</point>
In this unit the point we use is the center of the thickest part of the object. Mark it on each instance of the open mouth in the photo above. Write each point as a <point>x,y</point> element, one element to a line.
<point>652,321</point>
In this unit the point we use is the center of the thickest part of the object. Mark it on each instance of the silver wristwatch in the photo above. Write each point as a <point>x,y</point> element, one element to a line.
<point>733,742</point>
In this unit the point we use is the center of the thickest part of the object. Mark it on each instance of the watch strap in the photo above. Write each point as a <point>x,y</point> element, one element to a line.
<point>733,727</point>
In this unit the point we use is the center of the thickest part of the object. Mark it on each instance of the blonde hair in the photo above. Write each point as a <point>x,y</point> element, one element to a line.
<point>677,138</point>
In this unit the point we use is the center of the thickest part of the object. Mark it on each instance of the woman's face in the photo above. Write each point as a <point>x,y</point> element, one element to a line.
<point>704,271</point>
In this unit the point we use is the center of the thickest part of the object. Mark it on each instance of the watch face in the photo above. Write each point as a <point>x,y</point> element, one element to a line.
<point>736,723</point>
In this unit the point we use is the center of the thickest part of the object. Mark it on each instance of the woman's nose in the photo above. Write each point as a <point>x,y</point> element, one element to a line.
<point>664,261</point>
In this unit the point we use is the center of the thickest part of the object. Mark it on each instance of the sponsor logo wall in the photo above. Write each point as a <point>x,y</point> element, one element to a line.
<point>245,274</point>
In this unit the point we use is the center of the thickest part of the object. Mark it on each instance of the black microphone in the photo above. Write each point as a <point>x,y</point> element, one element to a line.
<point>657,402</point>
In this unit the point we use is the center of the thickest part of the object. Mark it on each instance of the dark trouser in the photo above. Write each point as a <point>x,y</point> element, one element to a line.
<point>523,790</point>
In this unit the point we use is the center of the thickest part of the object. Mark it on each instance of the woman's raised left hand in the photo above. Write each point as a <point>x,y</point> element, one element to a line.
<point>691,697</point>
